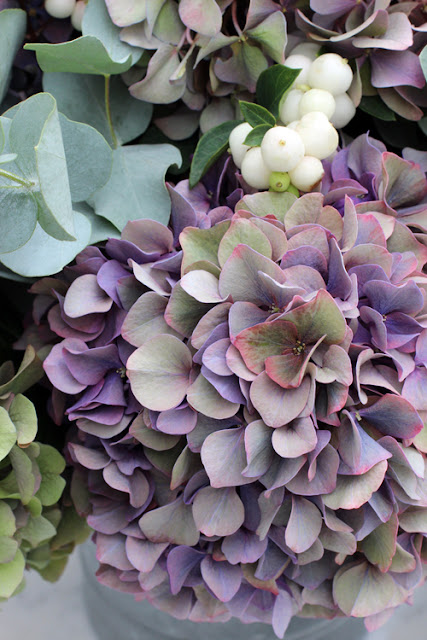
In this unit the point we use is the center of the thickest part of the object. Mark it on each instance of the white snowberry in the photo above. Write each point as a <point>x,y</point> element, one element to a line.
<point>307,49</point>
<point>317,100</point>
<point>60,8</point>
<point>282,149</point>
<point>307,173</point>
<point>289,109</point>
<point>254,169</point>
<point>299,62</point>
<point>344,110</point>
<point>237,148</point>
<point>330,72</point>
<point>318,135</point>
<point>77,15</point>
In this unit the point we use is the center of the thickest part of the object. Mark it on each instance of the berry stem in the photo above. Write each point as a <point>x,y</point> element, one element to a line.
<point>108,110</point>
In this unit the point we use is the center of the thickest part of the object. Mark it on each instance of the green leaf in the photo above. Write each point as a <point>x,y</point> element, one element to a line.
<point>11,574</point>
<point>256,136</point>
<point>7,520</point>
<point>374,106</point>
<point>37,530</point>
<point>272,84</point>
<point>256,115</point>
<point>13,23</point>
<point>8,549</point>
<point>7,433</point>
<point>423,61</point>
<point>136,188</point>
<point>30,371</point>
<point>23,469</point>
<point>89,158</point>
<point>97,22</point>
<point>209,148</point>
<point>8,157</point>
<point>24,417</point>
<point>2,139</point>
<point>44,255</point>
<point>81,98</point>
<point>86,54</point>
<point>51,464</point>
<point>71,529</point>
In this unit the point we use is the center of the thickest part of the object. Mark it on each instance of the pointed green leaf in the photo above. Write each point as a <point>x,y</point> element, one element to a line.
<point>209,148</point>
<point>256,136</point>
<point>255,114</point>
<point>272,84</point>
<point>376,107</point>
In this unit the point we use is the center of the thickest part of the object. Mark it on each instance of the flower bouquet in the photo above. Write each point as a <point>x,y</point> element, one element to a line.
<point>217,215</point>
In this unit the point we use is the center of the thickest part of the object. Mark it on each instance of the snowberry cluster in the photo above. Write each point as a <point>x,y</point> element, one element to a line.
<point>290,156</point>
<point>67,9</point>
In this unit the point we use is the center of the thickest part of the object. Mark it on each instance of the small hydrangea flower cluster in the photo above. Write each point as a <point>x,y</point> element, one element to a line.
<point>249,390</point>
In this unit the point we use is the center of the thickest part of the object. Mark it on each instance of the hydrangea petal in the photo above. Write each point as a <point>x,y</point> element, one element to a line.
<point>224,457</point>
<point>218,512</point>
<point>159,372</point>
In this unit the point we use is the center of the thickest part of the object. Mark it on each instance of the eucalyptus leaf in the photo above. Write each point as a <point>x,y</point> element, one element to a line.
<point>272,85</point>
<point>81,98</point>
<point>43,255</point>
<point>13,23</point>
<point>209,148</point>
<point>89,158</point>
<point>8,157</point>
<point>97,22</point>
<point>256,115</point>
<point>35,135</point>
<point>256,136</point>
<point>136,188</point>
<point>86,54</point>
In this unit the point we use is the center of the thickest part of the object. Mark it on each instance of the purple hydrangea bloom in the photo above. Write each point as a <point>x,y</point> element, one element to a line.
<point>384,38</point>
<point>249,401</point>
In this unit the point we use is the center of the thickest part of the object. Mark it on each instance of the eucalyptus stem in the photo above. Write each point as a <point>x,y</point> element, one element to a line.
<point>12,176</point>
<point>108,110</point>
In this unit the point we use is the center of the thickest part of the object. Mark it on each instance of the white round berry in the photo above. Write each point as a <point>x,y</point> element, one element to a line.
<point>254,170</point>
<point>330,72</point>
<point>60,8</point>
<point>237,137</point>
<point>318,135</point>
<point>299,62</point>
<point>289,109</point>
<point>77,15</point>
<point>317,100</point>
<point>344,110</point>
<point>307,173</point>
<point>293,125</point>
<point>307,49</point>
<point>282,149</point>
